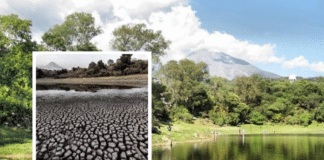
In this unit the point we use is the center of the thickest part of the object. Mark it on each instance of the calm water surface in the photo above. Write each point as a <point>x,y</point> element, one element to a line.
<point>249,147</point>
<point>102,91</point>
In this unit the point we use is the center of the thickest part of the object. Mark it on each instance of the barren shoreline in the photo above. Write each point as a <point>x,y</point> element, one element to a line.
<point>130,80</point>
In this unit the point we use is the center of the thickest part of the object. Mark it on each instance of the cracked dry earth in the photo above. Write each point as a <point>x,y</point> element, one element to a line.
<point>92,128</point>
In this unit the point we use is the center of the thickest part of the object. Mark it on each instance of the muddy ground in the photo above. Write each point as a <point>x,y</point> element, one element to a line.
<point>92,127</point>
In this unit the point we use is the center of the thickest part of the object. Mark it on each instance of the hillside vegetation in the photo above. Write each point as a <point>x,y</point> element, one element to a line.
<point>185,90</point>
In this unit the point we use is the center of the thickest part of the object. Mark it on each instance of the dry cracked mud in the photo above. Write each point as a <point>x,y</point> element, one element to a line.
<point>92,128</point>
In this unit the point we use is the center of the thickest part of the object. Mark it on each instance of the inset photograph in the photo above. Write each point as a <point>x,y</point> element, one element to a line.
<point>92,105</point>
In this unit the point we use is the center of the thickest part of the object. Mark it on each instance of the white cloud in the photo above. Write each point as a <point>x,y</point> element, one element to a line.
<point>183,28</point>
<point>126,9</point>
<point>4,8</point>
<point>174,18</point>
<point>297,62</point>
<point>97,17</point>
<point>37,37</point>
<point>319,67</point>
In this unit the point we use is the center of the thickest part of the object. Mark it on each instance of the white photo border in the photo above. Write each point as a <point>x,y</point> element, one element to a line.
<point>149,57</point>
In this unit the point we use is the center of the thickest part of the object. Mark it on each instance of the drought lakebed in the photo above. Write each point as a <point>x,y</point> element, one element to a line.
<point>101,124</point>
<point>247,147</point>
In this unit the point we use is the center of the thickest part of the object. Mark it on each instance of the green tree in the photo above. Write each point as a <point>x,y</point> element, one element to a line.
<point>319,113</point>
<point>16,69</point>
<point>183,81</point>
<point>78,28</point>
<point>219,115</point>
<point>135,37</point>
<point>257,118</point>
<point>305,118</point>
<point>248,89</point>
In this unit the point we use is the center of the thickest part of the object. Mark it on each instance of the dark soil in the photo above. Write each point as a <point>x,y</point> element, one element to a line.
<point>92,128</point>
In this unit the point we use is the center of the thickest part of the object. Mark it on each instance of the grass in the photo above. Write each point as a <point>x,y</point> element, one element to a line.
<point>184,132</point>
<point>15,143</point>
<point>129,80</point>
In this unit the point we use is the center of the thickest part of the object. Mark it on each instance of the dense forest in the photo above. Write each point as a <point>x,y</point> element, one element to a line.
<point>123,66</point>
<point>16,48</point>
<point>184,90</point>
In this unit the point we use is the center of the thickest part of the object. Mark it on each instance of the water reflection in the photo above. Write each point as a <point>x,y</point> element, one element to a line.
<point>79,87</point>
<point>248,147</point>
<point>112,93</point>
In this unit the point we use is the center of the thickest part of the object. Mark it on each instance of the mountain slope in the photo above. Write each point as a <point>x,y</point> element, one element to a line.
<point>51,66</point>
<point>223,65</point>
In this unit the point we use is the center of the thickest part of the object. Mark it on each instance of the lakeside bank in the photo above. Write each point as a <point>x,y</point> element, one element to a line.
<point>15,143</point>
<point>201,130</point>
<point>138,80</point>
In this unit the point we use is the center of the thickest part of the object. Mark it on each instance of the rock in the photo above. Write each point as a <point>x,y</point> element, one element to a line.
<point>99,152</point>
<point>196,135</point>
<point>89,156</point>
<point>129,153</point>
<point>114,155</point>
<point>122,146</point>
<point>74,148</point>
<point>164,138</point>
<point>110,150</point>
<point>89,150</point>
<point>112,145</point>
<point>123,155</point>
<point>67,154</point>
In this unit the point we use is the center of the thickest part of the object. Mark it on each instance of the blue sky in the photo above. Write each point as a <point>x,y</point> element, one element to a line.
<point>295,27</point>
<point>283,37</point>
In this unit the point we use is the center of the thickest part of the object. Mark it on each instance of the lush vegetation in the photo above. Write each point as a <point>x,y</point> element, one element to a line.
<point>185,90</point>
<point>135,37</point>
<point>123,66</point>
<point>16,49</point>
<point>182,131</point>
<point>74,34</point>
<point>20,140</point>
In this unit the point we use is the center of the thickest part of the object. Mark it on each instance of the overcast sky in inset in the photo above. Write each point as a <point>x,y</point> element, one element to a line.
<point>70,60</point>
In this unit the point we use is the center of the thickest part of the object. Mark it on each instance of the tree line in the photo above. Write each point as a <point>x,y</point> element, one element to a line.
<point>123,66</point>
<point>185,90</point>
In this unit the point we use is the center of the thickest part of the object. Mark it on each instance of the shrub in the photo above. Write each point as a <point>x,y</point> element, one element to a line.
<point>305,118</point>
<point>101,65</point>
<point>92,65</point>
<point>219,116</point>
<point>117,73</point>
<point>277,118</point>
<point>16,110</point>
<point>181,113</point>
<point>292,120</point>
<point>257,118</point>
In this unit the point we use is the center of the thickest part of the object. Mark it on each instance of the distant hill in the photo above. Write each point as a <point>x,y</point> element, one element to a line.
<point>51,66</point>
<point>223,65</point>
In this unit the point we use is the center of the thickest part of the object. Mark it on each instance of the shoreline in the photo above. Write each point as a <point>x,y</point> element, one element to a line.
<point>129,80</point>
<point>17,156</point>
<point>231,134</point>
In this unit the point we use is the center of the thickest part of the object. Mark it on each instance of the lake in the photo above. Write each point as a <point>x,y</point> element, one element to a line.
<point>249,147</point>
<point>91,122</point>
